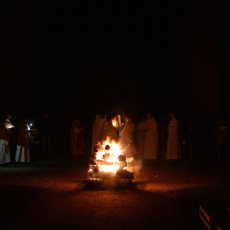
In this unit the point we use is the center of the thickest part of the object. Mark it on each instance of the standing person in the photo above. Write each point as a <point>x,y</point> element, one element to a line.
<point>77,138</point>
<point>12,134</point>
<point>173,145</point>
<point>8,123</point>
<point>108,131</point>
<point>96,130</point>
<point>222,134</point>
<point>151,138</point>
<point>190,142</point>
<point>140,137</point>
<point>4,144</point>
<point>126,137</point>
<point>23,142</point>
<point>45,133</point>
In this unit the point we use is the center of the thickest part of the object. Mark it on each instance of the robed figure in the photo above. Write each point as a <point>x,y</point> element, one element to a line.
<point>77,138</point>
<point>173,150</point>
<point>96,131</point>
<point>108,131</point>
<point>151,138</point>
<point>23,142</point>
<point>4,144</point>
<point>140,137</point>
<point>126,137</point>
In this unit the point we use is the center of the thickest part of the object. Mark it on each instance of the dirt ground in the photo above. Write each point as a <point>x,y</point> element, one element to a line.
<point>55,194</point>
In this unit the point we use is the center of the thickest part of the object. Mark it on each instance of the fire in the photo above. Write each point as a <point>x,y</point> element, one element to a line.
<point>114,123</point>
<point>109,159</point>
<point>107,156</point>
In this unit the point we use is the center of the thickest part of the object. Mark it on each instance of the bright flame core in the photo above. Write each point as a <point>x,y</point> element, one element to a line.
<point>107,156</point>
<point>109,160</point>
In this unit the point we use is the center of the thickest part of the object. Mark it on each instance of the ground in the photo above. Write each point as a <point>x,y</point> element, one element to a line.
<point>55,194</point>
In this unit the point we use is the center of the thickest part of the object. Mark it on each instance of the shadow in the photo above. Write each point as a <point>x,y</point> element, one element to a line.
<point>58,162</point>
<point>14,201</point>
<point>110,184</point>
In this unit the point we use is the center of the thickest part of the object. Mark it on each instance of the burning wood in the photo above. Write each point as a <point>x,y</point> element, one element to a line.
<point>108,160</point>
<point>121,158</point>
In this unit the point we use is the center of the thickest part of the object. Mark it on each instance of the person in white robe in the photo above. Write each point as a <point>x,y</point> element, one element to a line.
<point>77,138</point>
<point>23,142</point>
<point>151,138</point>
<point>96,131</point>
<point>126,137</point>
<point>108,130</point>
<point>4,144</point>
<point>173,150</point>
<point>140,137</point>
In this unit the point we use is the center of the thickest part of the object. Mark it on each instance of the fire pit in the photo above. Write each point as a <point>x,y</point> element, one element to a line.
<point>108,162</point>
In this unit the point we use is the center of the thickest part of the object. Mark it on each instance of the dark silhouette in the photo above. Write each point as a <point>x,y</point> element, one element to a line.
<point>45,129</point>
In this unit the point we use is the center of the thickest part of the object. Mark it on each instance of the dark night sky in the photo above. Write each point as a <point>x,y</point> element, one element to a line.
<point>98,56</point>
<point>78,57</point>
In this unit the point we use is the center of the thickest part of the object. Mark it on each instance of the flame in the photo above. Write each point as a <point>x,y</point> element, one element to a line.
<point>110,159</point>
<point>111,163</point>
<point>114,122</point>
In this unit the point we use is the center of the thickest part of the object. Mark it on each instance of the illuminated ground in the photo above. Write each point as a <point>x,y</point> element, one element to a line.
<point>54,194</point>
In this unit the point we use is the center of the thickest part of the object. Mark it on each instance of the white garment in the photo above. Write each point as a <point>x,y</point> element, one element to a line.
<point>108,131</point>
<point>173,145</point>
<point>151,139</point>
<point>140,138</point>
<point>97,128</point>
<point>22,154</point>
<point>127,139</point>
<point>4,152</point>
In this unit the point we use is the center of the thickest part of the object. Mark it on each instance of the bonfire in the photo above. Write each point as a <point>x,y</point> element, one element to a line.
<point>109,161</point>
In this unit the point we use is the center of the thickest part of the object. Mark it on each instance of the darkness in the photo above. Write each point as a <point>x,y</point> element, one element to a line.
<point>77,59</point>
<point>108,56</point>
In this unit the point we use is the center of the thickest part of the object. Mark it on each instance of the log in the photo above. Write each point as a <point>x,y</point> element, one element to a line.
<point>121,158</point>
<point>107,147</point>
<point>106,156</point>
<point>101,162</point>
<point>122,164</point>
<point>124,174</point>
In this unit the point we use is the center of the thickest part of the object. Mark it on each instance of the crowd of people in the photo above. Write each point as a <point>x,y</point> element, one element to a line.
<point>18,143</point>
<point>197,142</point>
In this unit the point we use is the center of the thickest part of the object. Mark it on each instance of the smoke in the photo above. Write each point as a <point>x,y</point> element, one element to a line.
<point>137,166</point>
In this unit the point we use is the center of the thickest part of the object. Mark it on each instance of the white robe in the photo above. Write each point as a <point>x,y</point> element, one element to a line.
<point>22,154</point>
<point>108,131</point>
<point>4,152</point>
<point>140,138</point>
<point>173,144</point>
<point>97,128</point>
<point>23,146</point>
<point>127,139</point>
<point>151,139</point>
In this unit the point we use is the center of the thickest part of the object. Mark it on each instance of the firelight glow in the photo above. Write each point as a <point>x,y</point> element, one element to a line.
<point>114,123</point>
<point>111,164</point>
